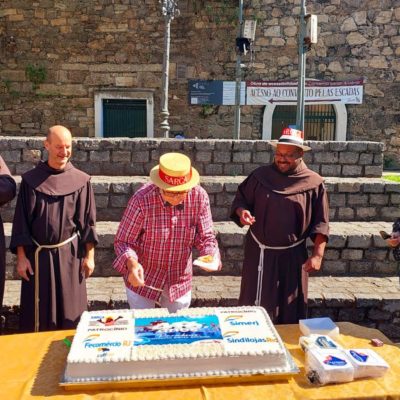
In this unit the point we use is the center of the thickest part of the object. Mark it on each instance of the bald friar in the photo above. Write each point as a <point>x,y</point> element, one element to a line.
<point>54,237</point>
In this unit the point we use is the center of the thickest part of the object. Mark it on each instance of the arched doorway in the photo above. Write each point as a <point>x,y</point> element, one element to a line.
<point>321,122</point>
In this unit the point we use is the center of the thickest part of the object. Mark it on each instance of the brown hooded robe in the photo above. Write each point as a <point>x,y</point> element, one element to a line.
<point>7,193</point>
<point>287,208</point>
<point>52,205</point>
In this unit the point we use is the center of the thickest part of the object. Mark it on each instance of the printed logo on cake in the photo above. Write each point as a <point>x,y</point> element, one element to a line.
<point>334,361</point>
<point>96,341</point>
<point>99,346</point>
<point>361,357</point>
<point>245,328</point>
<point>116,322</point>
<point>177,330</point>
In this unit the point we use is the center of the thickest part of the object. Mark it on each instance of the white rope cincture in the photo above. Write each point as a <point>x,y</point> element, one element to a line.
<point>261,263</point>
<point>37,251</point>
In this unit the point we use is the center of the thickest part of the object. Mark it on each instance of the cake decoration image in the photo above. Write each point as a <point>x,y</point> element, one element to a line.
<point>103,351</point>
<point>182,330</point>
<point>91,337</point>
<point>233,317</point>
<point>109,320</point>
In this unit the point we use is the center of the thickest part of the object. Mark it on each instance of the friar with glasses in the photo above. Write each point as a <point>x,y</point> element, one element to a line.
<point>283,204</point>
<point>163,221</point>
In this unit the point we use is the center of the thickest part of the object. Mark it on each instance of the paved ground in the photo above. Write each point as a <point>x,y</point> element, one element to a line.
<point>370,301</point>
<point>110,292</point>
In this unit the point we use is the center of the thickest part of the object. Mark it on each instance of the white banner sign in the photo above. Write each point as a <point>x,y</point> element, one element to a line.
<point>315,92</point>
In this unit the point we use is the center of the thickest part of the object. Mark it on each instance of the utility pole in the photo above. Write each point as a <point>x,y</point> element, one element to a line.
<point>169,10</point>
<point>302,69</point>
<point>236,128</point>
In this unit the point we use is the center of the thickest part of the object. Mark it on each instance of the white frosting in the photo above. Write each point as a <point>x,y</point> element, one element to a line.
<point>244,343</point>
<point>248,331</point>
<point>102,337</point>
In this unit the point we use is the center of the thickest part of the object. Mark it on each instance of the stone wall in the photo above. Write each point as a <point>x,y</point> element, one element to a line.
<point>127,157</point>
<point>55,55</point>
<point>354,249</point>
<point>362,199</point>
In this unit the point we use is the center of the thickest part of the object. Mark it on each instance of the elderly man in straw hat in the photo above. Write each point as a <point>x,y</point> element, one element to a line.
<point>163,221</point>
<point>284,203</point>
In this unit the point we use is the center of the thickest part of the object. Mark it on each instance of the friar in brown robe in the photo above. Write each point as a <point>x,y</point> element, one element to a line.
<point>55,204</point>
<point>7,193</point>
<point>284,203</point>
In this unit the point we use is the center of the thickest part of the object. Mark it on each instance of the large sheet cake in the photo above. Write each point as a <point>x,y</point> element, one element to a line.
<point>121,345</point>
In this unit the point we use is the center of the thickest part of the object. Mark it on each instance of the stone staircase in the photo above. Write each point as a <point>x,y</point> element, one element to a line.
<point>359,280</point>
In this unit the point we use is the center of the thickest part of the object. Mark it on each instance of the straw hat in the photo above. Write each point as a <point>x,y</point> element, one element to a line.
<point>174,173</point>
<point>292,137</point>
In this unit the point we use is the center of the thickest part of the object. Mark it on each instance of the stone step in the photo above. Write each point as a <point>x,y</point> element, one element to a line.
<point>362,199</point>
<point>123,156</point>
<point>354,248</point>
<point>371,301</point>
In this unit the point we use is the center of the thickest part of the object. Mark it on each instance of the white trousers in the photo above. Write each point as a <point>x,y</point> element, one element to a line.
<point>139,302</point>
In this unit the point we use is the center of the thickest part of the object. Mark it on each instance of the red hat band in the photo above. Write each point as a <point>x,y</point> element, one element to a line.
<point>174,180</point>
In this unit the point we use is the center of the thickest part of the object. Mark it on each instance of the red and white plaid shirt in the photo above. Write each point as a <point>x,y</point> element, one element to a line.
<point>161,238</point>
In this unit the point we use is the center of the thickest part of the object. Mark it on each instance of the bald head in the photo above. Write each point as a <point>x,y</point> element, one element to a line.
<point>58,131</point>
<point>58,143</point>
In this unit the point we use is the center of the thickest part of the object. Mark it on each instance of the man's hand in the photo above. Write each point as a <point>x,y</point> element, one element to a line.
<point>312,264</point>
<point>394,240</point>
<point>88,266</point>
<point>245,216</point>
<point>88,261</point>
<point>24,267</point>
<point>136,273</point>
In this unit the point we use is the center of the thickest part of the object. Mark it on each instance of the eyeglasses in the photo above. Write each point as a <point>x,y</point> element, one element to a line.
<point>174,194</point>
<point>294,156</point>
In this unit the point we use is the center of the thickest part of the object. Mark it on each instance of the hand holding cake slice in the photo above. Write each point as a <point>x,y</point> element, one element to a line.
<point>208,262</point>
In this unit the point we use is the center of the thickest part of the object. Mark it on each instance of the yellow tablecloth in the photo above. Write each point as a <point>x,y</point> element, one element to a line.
<point>32,364</point>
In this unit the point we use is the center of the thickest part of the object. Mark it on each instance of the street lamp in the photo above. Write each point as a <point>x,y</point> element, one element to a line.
<point>236,126</point>
<point>302,69</point>
<point>170,11</point>
<point>308,35</point>
<point>247,31</point>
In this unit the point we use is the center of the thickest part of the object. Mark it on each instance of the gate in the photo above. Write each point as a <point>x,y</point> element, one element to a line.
<point>124,118</point>
<point>319,121</point>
